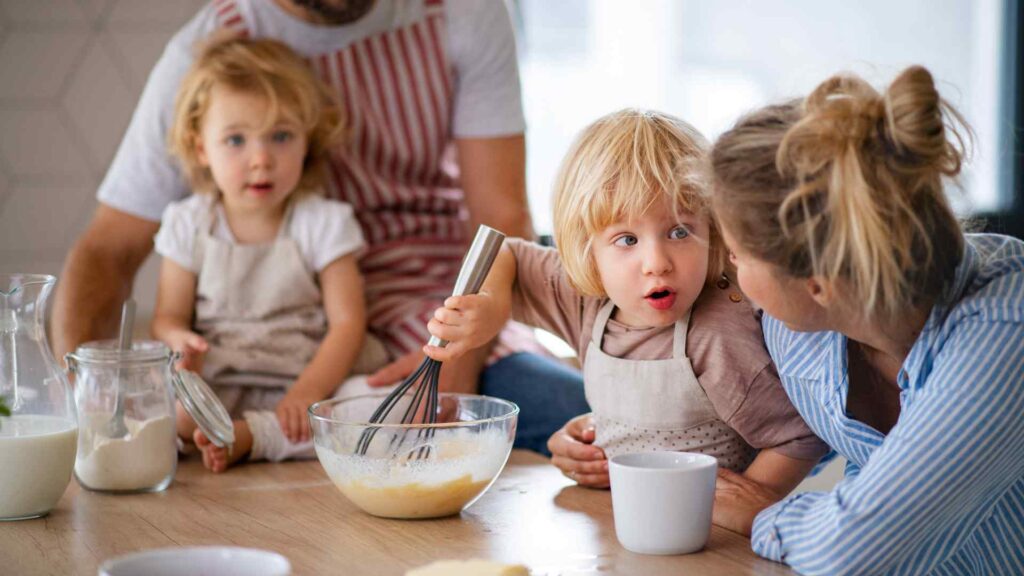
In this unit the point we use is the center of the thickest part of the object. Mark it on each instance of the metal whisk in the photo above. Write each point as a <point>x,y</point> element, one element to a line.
<point>423,382</point>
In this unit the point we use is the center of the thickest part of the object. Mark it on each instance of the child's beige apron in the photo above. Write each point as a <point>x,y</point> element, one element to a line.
<point>647,405</point>
<point>260,310</point>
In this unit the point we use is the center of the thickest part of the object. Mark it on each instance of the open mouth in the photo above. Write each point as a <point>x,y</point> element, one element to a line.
<point>261,187</point>
<point>661,298</point>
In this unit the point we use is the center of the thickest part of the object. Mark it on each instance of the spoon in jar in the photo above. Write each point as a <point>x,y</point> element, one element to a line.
<point>116,427</point>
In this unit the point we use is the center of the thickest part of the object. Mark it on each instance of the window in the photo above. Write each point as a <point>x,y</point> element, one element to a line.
<point>709,62</point>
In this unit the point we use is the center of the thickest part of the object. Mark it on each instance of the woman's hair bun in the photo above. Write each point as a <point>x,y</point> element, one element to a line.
<point>913,130</point>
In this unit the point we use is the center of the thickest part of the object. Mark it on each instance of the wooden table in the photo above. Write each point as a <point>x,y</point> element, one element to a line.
<point>532,515</point>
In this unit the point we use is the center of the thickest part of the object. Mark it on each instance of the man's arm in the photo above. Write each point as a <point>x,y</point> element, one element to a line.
<point>487,117</point>
<point>494,181</point>
<point>98,277</point>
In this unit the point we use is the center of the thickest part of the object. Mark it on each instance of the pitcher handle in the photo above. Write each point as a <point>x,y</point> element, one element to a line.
<point>9,369</point>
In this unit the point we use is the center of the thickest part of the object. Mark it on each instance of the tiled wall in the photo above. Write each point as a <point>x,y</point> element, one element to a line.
<point>70,74</point>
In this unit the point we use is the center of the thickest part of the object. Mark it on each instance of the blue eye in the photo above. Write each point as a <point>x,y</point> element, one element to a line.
<point>235,140</point>
<point>626,240</point>
<point>282,136</point>
<point>678,233</point>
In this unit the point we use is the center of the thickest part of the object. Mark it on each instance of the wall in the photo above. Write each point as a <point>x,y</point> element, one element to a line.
<point>70,74</point>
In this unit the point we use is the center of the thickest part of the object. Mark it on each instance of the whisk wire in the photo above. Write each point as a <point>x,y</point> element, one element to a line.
<point>429,370</point>
<point>428,392</point>
<point>427,434</point>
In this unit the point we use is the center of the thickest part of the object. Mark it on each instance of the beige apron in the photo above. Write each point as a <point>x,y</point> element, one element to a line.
<point>260,310</point>
<point>647,405</point>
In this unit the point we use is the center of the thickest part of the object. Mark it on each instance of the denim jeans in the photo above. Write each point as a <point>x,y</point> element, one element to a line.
<point>547,392</point>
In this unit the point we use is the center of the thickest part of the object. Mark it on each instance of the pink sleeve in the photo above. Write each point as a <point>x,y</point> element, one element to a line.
<point>767,419</point>
<point>542,296</point>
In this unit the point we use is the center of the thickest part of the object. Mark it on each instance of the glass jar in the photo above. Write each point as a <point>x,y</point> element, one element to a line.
<point>38,438</point>
<point>143,459</point>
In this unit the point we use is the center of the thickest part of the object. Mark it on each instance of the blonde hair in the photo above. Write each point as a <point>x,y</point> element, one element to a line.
<point>618,168</point>
<point>847,185</point>
<point>263,67</point>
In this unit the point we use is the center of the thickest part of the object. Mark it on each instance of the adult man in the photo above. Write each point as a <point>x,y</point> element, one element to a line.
<point>423,83</point>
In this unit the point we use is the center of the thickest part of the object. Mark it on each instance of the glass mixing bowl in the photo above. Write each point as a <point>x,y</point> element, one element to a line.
<point>396,470</point>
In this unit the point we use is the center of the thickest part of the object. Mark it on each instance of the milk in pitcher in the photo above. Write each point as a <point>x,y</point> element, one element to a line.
<point>38,454</point>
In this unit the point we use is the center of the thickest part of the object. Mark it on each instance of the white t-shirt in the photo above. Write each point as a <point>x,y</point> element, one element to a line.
<point>324,230</point>
<point>143,178</point>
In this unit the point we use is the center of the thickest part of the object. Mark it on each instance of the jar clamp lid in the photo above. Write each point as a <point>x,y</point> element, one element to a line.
<point>204,407</point>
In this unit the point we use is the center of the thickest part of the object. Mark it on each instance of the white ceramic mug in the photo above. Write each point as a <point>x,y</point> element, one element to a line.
<point>220,560</point>
<point>662,501</point>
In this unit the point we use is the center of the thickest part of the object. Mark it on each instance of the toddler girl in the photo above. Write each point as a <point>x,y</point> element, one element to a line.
<point>673,356</point>
<point>259,286</point>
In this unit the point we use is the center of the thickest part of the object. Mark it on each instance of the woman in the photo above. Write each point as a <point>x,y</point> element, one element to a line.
<point>899,338</point>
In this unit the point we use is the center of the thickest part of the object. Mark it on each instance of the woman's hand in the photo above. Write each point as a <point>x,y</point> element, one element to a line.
<point>466,322</point>
<point>573,452</point>
<point>292,415</point>
<point>738,500</point>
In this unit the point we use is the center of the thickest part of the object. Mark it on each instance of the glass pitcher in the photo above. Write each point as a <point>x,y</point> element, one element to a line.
<point>38,440</point>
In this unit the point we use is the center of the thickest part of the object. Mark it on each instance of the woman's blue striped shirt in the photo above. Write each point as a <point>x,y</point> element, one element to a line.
<point>943,492</point>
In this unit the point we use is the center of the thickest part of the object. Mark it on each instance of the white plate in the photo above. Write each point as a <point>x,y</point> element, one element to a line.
<point>198,561</point>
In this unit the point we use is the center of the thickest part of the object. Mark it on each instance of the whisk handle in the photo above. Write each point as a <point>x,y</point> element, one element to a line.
<point>475,266</point>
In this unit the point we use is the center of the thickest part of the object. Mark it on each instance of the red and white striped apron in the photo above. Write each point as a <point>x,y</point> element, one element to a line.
<point>398,173</point>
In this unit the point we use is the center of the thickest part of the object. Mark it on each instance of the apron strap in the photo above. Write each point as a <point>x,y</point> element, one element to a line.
<point>208,218</point>
<point>679,337</point>
<point>597,334</point>
<point>204,230</point>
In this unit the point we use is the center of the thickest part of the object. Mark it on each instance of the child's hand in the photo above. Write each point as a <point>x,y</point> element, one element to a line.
<point>573,452</point>
<point>292,415</point>
<point>466,322</point>
<point>192,348</point>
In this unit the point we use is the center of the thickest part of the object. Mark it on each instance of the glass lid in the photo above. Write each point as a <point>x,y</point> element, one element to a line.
<point>205,408</point>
